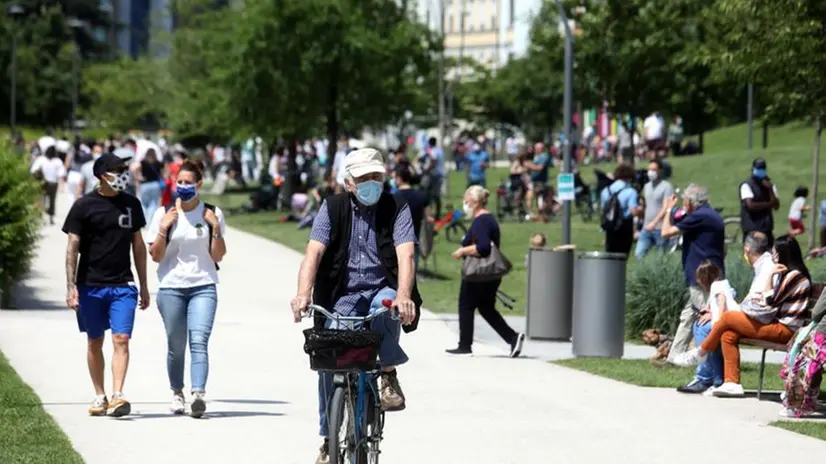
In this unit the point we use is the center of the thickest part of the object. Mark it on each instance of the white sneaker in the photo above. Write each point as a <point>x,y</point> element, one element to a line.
<point>783,396</point>
<point>178,405</point>
<point>689,358</point>
<point>729,390</point>
<point>709,392</point>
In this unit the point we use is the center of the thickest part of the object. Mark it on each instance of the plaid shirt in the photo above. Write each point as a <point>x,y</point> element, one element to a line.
<point>365,277</point>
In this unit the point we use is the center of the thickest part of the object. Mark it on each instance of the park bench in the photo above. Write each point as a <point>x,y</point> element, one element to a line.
<point>817,289</point>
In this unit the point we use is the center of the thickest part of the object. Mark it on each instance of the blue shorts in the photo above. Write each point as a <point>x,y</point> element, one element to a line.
<point>102,308</point>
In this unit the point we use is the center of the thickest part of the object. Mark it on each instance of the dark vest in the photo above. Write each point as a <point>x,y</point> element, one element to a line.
<point>762,220</point>
<point>330,282</point>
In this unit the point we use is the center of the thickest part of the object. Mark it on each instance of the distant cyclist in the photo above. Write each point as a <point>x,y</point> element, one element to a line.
<point>361,251</point>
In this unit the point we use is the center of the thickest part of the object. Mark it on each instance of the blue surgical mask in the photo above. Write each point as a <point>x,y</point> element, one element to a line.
<point>759,173</point>
<point>369,192</point>
<point>186,192</point>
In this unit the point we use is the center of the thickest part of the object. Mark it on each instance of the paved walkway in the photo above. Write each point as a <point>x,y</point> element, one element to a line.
<point>483,410</point>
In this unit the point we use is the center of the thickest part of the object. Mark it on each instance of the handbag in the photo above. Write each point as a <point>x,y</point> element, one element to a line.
<point>486,269</point>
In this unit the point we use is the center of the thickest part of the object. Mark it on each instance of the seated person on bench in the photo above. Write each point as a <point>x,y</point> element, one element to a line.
<point>775,308</point>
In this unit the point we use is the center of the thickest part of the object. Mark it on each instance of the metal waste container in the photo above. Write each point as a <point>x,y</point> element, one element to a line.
<point>599,305</point>
<point>550,294</point>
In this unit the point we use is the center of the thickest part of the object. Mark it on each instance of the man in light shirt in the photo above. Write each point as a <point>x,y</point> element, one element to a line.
<point>654,128</point>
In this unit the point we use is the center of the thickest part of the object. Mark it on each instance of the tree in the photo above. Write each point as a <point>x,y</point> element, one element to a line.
<point>777,44</point>
<point>127,94</point>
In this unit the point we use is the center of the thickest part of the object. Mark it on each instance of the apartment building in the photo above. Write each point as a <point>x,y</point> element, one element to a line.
<point>489,31</point>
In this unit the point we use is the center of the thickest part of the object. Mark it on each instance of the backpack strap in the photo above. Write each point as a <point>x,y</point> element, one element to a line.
<point>208,206</point>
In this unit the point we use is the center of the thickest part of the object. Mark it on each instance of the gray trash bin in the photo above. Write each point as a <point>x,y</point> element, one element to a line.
<point>599,305</point>
<point>550,294</point>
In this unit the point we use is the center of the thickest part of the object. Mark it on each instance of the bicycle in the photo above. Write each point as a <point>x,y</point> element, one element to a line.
<point>455,229</point>
<point>355,420</point>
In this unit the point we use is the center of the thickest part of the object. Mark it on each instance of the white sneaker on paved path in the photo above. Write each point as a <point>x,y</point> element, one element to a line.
<point>178,405</point>
<point>729,390</point>
<point>710,391</point>
<point>690,358</point>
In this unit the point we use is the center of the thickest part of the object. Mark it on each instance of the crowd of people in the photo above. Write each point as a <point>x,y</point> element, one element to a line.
<point>120,189</point>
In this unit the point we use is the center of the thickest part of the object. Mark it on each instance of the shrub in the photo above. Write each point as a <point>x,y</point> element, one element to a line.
<point>655,294</point>
<point>19,219</point>
<point>739,273</point>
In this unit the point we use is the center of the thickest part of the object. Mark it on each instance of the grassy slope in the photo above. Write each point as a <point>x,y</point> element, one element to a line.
<point>722,169</point>
<point>28,435</point>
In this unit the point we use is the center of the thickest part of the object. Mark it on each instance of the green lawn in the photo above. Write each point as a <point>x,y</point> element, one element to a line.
<point>642,373</point>
<point>27,433</point>
<point>725,164</point>
<point>814,429</point>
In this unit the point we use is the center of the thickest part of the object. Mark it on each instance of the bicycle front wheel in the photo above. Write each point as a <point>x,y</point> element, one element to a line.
<point>341,430</point>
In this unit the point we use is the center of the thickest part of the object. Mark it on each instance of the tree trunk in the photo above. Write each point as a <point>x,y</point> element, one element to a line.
<point>291,180</point>
<point>813,229</point>
<point>332,118</point>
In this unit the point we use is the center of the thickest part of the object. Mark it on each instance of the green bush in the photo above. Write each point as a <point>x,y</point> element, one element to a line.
<point>655,294</point>
<point>739,273</point>
<point>19,219</point>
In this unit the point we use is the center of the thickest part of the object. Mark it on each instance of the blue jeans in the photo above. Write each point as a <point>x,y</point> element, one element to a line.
<point>390,353</point>
<point>648,240</point>
<point>711,371</point>
<point>188,313</point>
<point>150,198</point>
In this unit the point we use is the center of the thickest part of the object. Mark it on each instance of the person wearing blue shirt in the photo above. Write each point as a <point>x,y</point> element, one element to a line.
<point>477,162</point>
<point>704,239</point>
<point>538,168</point>
<point>621,238</point>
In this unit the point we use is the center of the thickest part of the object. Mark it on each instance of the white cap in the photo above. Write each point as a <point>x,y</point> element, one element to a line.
<point>364,161</point>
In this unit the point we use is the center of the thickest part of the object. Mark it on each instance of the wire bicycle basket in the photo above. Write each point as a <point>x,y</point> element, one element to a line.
<point>342,350</point>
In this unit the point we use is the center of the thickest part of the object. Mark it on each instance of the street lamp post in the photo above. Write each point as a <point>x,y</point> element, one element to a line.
<point>76,26</point>
<point>568,102</point>
<point>13,11</point>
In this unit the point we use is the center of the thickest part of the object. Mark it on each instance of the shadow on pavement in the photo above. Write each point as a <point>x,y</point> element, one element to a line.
<point>27,297</point>
<point>245,401</point>
<point>209,415</point>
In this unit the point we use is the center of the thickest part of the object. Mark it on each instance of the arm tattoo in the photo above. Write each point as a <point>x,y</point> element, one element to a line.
<point>72,252</point>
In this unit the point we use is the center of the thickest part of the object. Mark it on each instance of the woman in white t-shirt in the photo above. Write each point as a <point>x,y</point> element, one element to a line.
<point>796,211</point>
<point>188,242</point>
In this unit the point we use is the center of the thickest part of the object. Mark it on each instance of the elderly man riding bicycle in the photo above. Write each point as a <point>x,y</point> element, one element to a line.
<point>361,251</point>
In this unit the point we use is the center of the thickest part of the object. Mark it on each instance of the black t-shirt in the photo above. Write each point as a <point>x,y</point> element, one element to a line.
<point>417,201</point>
<point>105,226</point>
<point>151,172</point>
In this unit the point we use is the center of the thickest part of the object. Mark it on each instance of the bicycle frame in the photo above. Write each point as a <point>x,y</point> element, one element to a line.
<point>363,381</point>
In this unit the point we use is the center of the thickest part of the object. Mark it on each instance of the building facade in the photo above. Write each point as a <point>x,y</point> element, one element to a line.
<point>490,32</point>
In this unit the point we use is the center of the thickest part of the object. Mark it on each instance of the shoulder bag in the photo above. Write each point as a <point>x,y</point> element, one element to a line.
<point>486,269</point>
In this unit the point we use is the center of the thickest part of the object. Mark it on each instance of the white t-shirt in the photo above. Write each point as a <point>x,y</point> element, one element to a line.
<point>52,169</point>
<point>187,262</point>
<point>653,127</point>
<point>796,210</point>
<point>338,166</point>
<point>721,287</point>
<point>746,193</point>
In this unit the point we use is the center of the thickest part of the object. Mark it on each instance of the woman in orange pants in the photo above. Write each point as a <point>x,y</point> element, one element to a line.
<point>772,315</point>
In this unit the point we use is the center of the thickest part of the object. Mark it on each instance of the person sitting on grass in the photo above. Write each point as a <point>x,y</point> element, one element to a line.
<point>774,310</point>
<point>711,280</point>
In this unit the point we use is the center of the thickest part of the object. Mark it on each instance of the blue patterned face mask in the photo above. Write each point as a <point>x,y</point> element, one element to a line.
<point>186,192</point>
<point>369,192</point>
<point>759,173</point>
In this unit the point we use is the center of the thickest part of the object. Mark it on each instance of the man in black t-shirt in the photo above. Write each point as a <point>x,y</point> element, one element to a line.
<point>418,201</point>
<point>103,227</point>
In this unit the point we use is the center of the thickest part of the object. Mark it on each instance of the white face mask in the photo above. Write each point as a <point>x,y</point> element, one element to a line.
<point>467,209</point>
<point>119,182</point>
<point>653,175</point>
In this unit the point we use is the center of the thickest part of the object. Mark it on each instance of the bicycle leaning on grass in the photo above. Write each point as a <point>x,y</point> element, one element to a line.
<point>348,351</point>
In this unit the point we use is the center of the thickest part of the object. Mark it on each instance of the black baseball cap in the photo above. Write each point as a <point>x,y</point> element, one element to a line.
<point>758,163</point>
<point>107,163</point>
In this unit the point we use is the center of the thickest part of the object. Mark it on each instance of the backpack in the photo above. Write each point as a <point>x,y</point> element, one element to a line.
<point>612,214</point>
<point>209,228</point>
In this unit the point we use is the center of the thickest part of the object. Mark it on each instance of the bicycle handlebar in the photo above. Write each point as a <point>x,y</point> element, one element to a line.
<point>386,305</point>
